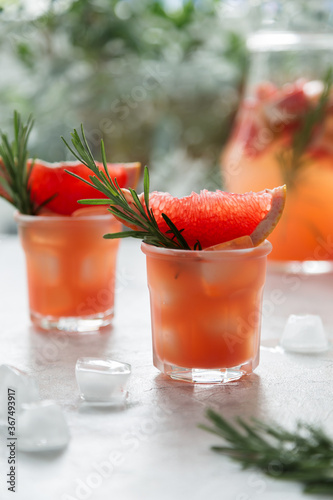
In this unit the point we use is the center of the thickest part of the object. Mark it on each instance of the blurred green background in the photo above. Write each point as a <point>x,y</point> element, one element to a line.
<point>159,81</point>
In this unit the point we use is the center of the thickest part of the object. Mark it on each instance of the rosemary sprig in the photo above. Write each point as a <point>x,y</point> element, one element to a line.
<point>140,216</point>
<point>14,171</point>
<point>15,176</point>
<point>291,159</point>
<point>305,455</point>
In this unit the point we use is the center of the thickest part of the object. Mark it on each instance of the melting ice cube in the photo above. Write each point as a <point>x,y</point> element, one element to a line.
<point>236,244</point>
<point>304,334</point>
<point>42,427</point>
<point>102,380</point>
<point>24,386</point>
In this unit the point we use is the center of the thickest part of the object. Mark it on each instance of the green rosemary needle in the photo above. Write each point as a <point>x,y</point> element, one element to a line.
<point>14,171</point>
<point>305,455</point>
<point>141,217</point>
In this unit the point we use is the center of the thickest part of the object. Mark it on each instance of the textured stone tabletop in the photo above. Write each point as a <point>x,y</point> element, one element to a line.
<point>153,449</point>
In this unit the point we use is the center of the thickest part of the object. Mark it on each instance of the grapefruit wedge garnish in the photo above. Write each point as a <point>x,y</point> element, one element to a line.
<point>48,179</point>
<point>215,218</point>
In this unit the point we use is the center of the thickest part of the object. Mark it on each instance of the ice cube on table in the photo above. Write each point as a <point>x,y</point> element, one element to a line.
<point>42,427</point>
<point>102,381</point>
<point>24,386</point>
<point>304,334</point>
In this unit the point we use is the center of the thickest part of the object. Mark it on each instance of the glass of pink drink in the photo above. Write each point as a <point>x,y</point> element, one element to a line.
<point>70,270</point>
<point>206,311</point>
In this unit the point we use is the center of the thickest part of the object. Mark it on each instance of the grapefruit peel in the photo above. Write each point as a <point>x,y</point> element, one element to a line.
<point>266,226</point>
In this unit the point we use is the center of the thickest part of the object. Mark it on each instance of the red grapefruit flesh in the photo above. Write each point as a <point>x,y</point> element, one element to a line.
<point>216,217</point>
<point>48,179</point>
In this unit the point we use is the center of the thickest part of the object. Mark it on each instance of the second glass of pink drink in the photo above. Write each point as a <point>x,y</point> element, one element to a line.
<point>71,270</point>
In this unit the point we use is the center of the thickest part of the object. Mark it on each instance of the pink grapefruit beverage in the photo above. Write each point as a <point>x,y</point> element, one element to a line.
<point>206,311</point>
<point>260,155</point>
<point>70,270</point>
<point>283,134</point>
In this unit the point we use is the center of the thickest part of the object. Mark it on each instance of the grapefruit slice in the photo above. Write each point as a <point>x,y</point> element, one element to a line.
<point>289,106</point>
<point>48,179</point>
<point>217,217</point>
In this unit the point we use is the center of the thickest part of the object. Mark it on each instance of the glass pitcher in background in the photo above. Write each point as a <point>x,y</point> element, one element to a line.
<point>283,132</point>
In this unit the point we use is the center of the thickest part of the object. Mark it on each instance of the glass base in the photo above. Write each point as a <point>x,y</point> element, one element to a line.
<point>73,324</point>
<point>205,375</point>
<point>307,267</point>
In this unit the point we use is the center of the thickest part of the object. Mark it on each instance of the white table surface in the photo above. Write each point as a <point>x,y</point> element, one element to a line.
<point>155,446</point>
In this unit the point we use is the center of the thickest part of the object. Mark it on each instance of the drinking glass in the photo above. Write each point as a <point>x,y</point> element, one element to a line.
<point>206,311</point>
<point>70,270</point>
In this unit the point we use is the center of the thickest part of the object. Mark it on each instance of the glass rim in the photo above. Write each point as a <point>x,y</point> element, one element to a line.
<point>18,217</point>
<point>259,251</point>
<point>266,41</point>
